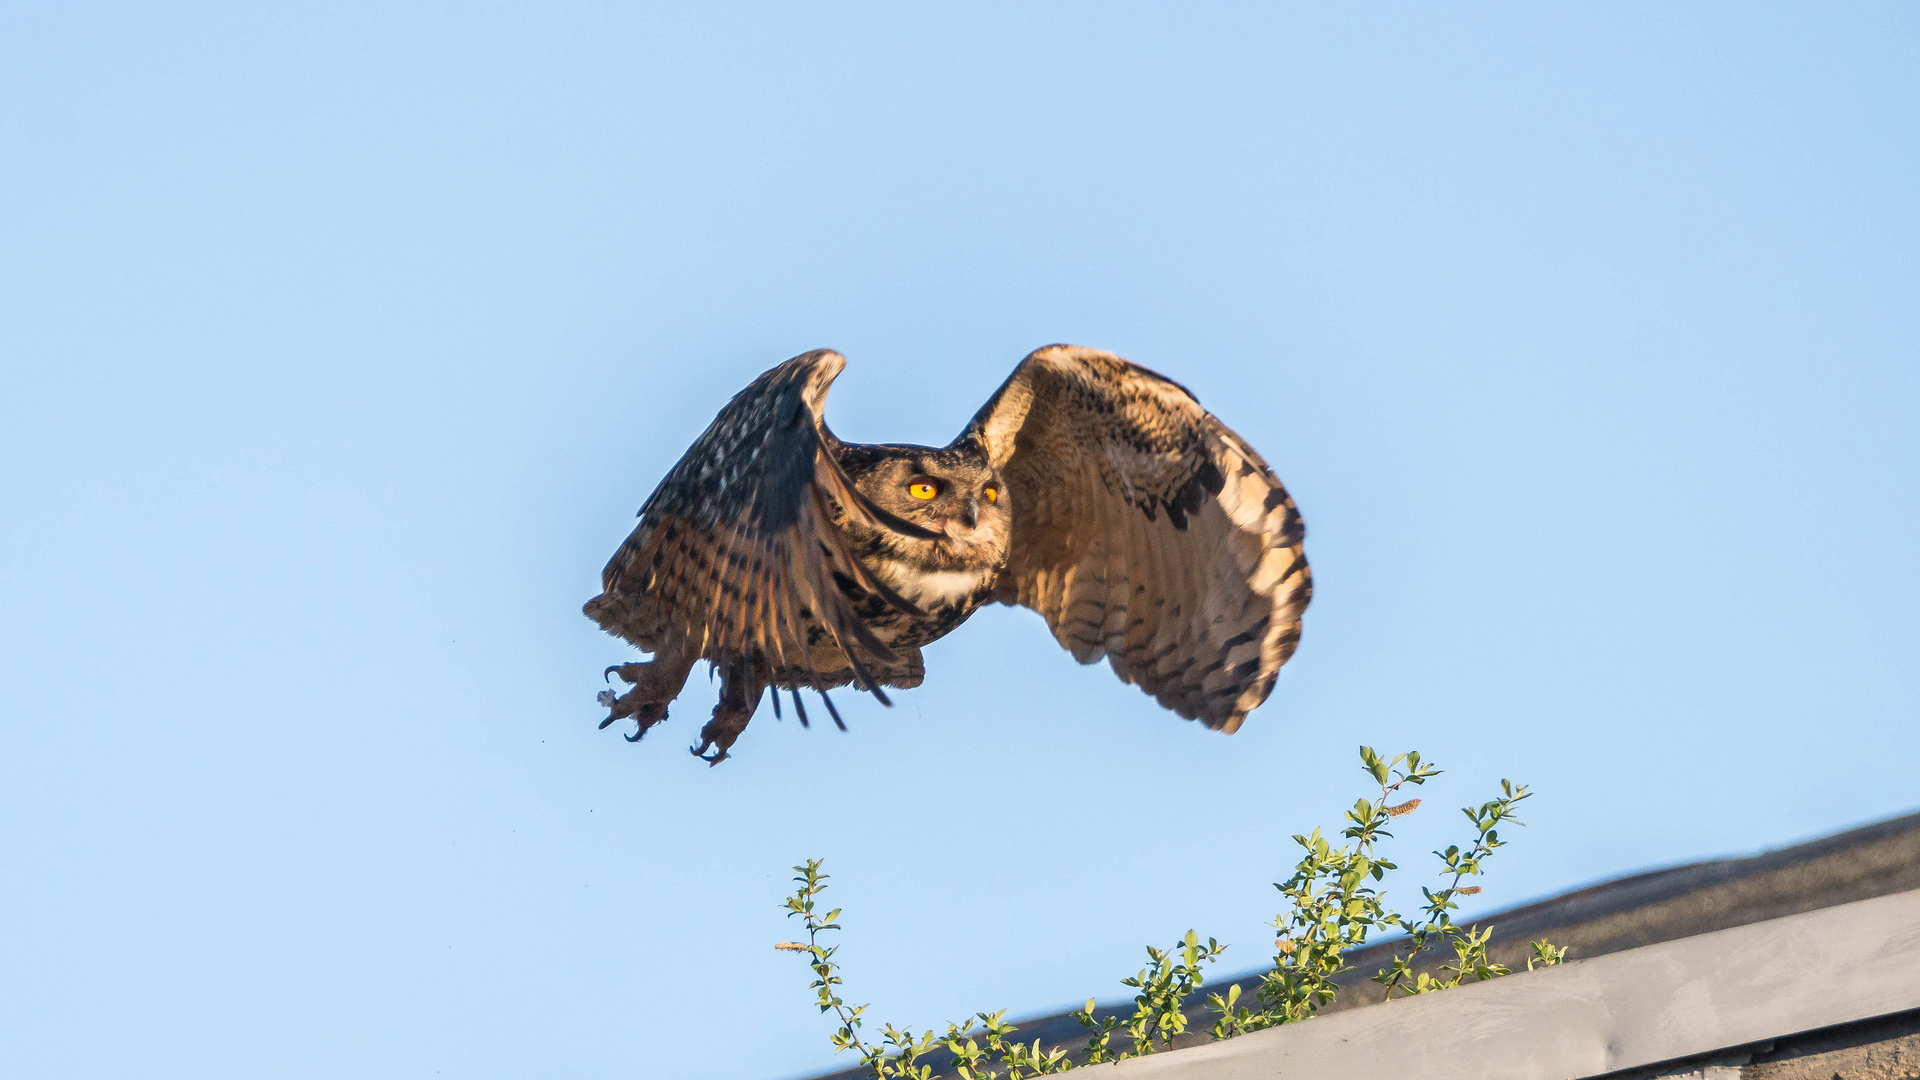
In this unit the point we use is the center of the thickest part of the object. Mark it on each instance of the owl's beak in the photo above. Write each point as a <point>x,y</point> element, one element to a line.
<point>970,517</point>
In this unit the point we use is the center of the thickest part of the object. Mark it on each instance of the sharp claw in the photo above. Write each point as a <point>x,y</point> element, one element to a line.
<point>641,715</point>
<point>719,754</point>
<point>607,675</point>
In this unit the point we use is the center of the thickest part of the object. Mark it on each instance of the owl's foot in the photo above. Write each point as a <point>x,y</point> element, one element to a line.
<point>741,684</point>
<point>632,705</point>
<point>729,720</point>
<point>655,685</point>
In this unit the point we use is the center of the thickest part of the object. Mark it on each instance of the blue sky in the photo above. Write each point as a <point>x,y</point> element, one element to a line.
<point>341,344</point>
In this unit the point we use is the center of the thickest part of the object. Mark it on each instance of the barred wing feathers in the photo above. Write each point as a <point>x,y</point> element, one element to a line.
<point>737,551</point>
<point>1146,531</point>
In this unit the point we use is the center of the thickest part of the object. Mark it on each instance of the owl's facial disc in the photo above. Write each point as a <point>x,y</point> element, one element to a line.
<point>954,505</point>
<point>954,494</point>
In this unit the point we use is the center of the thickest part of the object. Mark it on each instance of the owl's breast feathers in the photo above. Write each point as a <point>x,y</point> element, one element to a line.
<point>943,599</point>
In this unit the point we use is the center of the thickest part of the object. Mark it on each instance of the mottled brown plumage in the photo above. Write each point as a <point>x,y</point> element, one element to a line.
<point>1087,488</point>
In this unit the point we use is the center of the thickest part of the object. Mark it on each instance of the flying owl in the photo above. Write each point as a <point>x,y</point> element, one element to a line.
<point>1088,488</point>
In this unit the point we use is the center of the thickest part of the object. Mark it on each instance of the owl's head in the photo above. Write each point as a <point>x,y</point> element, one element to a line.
<point>949,492</point>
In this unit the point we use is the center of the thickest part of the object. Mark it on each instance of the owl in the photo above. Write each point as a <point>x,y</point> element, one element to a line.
<point>1088,488</point>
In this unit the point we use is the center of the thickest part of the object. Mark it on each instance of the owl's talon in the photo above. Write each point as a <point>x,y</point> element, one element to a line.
<point>655,684</point>
<point>631,674</point>
<point>729,720</point>
<point>631,707</point>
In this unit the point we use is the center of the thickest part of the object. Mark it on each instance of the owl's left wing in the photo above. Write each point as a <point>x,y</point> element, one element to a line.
<point>740,550</point>
<point>1146,531</point>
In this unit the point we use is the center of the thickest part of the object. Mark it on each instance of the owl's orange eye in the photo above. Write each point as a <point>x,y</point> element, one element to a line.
<point>921,489</point>
<point>992,494</point>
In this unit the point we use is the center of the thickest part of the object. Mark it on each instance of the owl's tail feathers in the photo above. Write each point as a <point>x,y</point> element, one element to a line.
<point>835,713</point>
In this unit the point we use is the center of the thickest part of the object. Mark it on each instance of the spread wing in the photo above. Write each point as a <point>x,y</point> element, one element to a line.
<point>737,552</point>
<point>1145,531</point>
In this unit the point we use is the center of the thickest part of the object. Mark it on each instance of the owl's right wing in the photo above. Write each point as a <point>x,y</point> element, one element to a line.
<point>1146,531</point>
<point>738,551</point>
